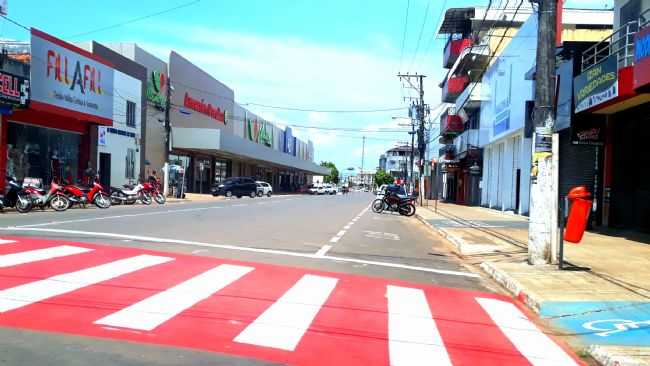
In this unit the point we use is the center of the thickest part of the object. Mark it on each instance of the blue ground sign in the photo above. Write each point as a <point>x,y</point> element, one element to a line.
<point>622,323</point>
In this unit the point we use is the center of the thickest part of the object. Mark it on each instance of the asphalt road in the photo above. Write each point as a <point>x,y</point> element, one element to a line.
<point>285,238</point>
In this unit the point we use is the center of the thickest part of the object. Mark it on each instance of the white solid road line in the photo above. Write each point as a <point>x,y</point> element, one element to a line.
<point>157,309</point>
<point>335,239</point>
<point>29,293</point>
<point>243,249</point>
<point>538,348</point>
<point>35,255</point>
<point>323,250</point>
<point>121,216</point>
<point>283,324</point>
<point>341,233</point>
<point>413,338</point>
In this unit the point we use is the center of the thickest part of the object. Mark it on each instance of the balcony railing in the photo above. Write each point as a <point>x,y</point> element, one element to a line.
<point>453,87</point>
<point>453,49</point>
<point>619,43</point>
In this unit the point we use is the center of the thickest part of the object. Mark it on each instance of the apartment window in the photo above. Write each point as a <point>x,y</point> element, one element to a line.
<point>130,113</point>
<point>130,164</point>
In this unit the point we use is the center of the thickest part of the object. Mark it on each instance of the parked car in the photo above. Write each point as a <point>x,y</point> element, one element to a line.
<point>317,189</point>
<point>329,189</point>
<point>236,186</point>
<point>264,189</point>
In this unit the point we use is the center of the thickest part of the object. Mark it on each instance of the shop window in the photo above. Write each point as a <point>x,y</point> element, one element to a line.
<point>130,164</point>
<point>42,153</point>
<point>220,170</point>
<point>130,113</point>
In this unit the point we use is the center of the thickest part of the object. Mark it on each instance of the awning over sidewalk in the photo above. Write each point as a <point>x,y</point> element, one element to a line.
<point>242,147</point>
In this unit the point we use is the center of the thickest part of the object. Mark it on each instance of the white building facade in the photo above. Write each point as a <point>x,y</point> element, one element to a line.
<point>509,94</point>
<point>121,142</point>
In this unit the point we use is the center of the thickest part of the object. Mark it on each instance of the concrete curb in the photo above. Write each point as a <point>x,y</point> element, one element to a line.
<point>606,357</point>
<point>456,241</point>
<point>512,285</point>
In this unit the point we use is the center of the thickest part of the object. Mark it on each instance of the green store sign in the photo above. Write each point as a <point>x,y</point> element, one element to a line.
<point>156,89</point>
<point>260,132</point>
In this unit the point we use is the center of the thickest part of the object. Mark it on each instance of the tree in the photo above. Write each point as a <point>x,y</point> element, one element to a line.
<point>381,177</point>
<point>333,177</point>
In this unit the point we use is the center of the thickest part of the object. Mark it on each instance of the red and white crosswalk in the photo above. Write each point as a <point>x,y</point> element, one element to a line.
<point>281,314</point>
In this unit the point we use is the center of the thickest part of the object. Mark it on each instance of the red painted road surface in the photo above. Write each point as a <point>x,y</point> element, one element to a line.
<point>280,314</point>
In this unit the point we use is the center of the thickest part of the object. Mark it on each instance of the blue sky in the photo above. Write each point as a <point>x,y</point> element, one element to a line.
<point>316,54</point>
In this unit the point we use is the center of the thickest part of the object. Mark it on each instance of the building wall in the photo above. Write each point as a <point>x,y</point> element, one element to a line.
<point>618,4</point>
<point>154,149</point>
<point>503,115</point>
<point>126,89</point>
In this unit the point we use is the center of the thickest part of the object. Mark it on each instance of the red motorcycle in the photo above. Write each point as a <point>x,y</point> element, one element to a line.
<point>84,195</point>
<point>55,197</point>
<point>152,188</point>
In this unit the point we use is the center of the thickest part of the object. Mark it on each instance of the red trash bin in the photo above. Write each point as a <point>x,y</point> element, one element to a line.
<point>581,202</point>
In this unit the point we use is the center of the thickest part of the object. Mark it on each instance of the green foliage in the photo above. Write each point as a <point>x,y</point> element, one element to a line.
<point>381,177</point>
<point>333,177</point>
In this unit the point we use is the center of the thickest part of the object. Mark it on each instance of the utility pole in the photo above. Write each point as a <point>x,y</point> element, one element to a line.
<point>363,153</point>
<point>542,197</point>
<point>421,116</point>
<point>168,105</point>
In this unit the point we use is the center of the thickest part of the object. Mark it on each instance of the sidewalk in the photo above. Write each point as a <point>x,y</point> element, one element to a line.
<point>195,197</point>
<point>605,310</point>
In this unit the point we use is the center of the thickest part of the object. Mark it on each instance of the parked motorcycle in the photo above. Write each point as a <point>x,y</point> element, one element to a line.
<point>15,197</point>
<point>130,195</point>
<point>152,188</point>
<point>55,197</point>
<point>84,195</point>
<point>394,203</point>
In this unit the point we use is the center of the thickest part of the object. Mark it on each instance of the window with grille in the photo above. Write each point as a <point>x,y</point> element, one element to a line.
<point>130,113</point>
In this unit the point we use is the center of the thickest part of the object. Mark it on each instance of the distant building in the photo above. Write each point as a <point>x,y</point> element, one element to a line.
<point>364,178</point>
<point>398,161</point>
<point>382,162</point>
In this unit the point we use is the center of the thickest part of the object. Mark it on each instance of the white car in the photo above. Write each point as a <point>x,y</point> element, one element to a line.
<point>329,189</point>
<point>264,189</point>
<point>317,190</point>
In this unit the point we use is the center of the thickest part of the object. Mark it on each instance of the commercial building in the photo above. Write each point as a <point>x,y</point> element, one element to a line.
<point>212,137</point>
<point>612,100</point>
<point>364,178</point>
<point>487,133</point>
<point>71,91</point>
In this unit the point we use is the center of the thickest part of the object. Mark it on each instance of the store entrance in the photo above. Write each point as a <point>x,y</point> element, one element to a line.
<point>202,175</point>
<point>630,191</point>
<point>105,170</point>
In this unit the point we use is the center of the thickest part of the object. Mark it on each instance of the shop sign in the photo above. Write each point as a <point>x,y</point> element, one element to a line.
<point>14,90</point>
<point>64,76</point>
<point>642,58</point>
<point>205,108</point>
<point>588,133</point>
<point>597,85</point>
<point>259,132</point>
<point>101,135</point>
<point>157,89</point>
<point>288,141</point>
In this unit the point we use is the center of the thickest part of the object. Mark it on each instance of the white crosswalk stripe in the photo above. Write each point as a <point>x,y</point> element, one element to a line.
<point>3,241</point>
<point>413,338</point>
<point>538,348</point>
<point>159,308</point>
<point>284,323</point>
<point>19,296</point>
<point>35,255</point>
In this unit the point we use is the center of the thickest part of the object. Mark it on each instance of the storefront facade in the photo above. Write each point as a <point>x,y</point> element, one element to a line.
<point>71,91</point>
<point>612,94</point>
